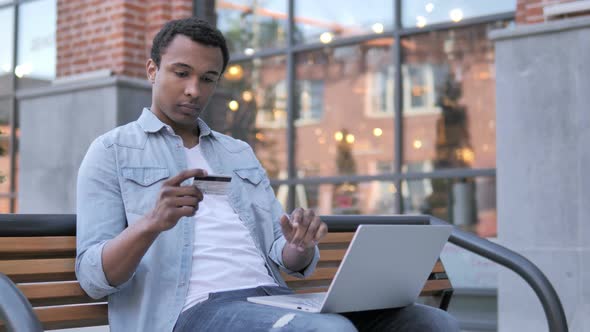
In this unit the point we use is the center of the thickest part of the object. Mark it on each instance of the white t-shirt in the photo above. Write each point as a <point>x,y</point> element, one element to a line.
<point>224,254</point>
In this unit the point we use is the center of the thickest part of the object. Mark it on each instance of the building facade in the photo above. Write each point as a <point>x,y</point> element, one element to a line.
<point>353,107</point>
<point>316,92</point>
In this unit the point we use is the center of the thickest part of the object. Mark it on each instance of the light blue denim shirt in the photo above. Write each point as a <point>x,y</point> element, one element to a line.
<point>118,182</point>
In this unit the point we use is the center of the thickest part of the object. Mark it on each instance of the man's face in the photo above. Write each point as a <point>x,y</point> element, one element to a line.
<point>185,81</point>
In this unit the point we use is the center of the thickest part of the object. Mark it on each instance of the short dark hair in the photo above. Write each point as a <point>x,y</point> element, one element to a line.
<point>197,30</point>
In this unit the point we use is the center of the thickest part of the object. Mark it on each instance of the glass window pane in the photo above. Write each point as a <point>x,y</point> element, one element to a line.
<point>36,43</point>
<point>6,51</point>
<point>5,204</point>
<point>420,13</point>
<point>323,21</point>
<point>282,194</point>
<point>449,99</point>
<point>469,203</point>
<point>251,105</point>
<point>375,197</point>
<point>251,25</point>
<point>5,131</point>
<point>344,110</point>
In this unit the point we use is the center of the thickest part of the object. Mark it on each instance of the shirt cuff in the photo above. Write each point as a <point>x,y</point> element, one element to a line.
<point>91,276</point>
<point>276,254</point>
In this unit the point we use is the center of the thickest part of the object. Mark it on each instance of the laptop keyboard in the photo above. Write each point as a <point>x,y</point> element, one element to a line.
<point>311,300</point>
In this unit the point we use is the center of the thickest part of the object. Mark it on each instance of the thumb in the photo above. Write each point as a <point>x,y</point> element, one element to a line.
<point>287,228</point>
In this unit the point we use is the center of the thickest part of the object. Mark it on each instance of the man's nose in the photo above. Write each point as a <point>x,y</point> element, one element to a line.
<point>192,89</point>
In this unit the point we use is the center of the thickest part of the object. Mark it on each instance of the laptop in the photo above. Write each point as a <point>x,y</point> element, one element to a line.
<point>385,266</point>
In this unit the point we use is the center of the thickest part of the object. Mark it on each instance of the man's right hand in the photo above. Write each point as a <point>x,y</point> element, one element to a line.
<point>175,201</point>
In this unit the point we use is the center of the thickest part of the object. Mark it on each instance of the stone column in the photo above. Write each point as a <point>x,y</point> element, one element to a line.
<point>57,124</point>
<point>543,166</point>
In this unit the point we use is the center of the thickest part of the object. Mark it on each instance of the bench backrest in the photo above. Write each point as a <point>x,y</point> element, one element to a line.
<point>42,267</point>
<point>332,250</point>
<point>43,270</point>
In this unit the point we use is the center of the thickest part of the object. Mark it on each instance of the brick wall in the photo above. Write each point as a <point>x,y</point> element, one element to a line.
<point>531,11</point>
<point>117,34</point>
<point>113,34</point>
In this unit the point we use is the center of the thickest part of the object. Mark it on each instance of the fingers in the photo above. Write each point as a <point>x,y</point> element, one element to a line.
<point>172,192</point>
<point>186,211</point>
<point>286,227</point>
<point>186,191</point>
<point>299,227</point>
<point>182,176</point>
<point>176,201</point>
<point>306,229</point>
<point>322,231</point>
<point>314,225</point>
<point>180,197</point>
<point>186,201</point>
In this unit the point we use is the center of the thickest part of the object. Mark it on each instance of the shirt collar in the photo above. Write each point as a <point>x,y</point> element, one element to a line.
<point>150,123</point>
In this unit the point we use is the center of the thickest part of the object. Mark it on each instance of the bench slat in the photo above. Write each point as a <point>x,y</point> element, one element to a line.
<point>438,267</point>
<point>320,273</point>
<point>62,317</point>
<point>332,255</point>
<point>18,247</point>
<point>55,293</point>
<point>337,238</point>
<point>433,287</point>
<point>32,270</point>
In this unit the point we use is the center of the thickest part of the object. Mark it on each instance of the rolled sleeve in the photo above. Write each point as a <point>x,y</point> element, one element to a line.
<point>100,217</point>
<point>276,254</point>
<point>90,273</point>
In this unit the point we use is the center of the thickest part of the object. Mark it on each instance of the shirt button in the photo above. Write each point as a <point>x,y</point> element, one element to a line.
<point>182,284</point>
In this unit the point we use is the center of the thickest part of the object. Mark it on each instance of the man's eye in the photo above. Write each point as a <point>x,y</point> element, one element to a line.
<point>181,74</point>
<point>208,80</point>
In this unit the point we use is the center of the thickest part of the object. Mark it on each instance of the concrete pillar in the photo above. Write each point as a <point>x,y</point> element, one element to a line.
<point>57,124</point>
<point>543,166</point>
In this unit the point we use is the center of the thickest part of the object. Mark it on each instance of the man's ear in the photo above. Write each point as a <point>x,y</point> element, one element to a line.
<point>151,69</point>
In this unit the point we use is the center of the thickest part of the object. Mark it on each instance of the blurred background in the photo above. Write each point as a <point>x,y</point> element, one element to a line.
<point>471,111</point>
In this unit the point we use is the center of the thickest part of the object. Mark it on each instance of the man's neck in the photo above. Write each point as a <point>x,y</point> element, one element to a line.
<point>190,138</point>
<point>189,135</point>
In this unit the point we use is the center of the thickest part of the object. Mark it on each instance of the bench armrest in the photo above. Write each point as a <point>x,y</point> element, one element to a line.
<point>15,310</point>
<point>549,298</point>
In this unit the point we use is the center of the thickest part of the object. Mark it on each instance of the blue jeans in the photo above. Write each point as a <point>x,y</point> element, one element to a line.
<point>229,311</point>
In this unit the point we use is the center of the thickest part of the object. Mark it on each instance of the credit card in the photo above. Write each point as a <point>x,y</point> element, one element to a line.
<point>213,184</point>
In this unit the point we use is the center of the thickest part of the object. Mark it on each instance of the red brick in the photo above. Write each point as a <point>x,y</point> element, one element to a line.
<point>531,11</point>
<point>111,34</point>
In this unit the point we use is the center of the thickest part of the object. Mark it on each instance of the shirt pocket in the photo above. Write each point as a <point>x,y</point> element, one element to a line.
<point>140,187</point>
<point>255,187</point>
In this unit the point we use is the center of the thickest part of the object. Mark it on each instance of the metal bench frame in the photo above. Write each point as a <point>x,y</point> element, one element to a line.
<point>14,311</point>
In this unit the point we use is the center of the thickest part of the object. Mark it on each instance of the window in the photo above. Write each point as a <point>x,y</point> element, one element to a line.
<point>273,112</point>
<point>309,103</point>
<point>326,20</point>
<point>36,61</point>
<point>252,25</point>
<point>420,85</point>
<point>7,42</point>
<point>421,13</point>
<point>380,90</point>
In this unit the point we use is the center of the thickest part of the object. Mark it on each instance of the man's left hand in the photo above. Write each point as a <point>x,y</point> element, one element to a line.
<point>303,230</point>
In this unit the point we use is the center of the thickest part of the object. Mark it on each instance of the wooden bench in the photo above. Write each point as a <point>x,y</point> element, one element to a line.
<point>41,260</point>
